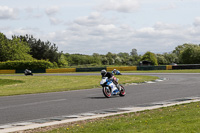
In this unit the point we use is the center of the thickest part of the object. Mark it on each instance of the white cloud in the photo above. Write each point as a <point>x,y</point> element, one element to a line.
<point>54,21</point>
<point>97,34</point>
<point>106,28</point>
<point>33,13</point>
<point>119,5</point>
<point>146,29</point>
<point>7,12</point>
<point>161,25</point>
<point>168,7</point>
<point>163,32</point>
<point>10,31</point>
<point>52,10</point>
<point>197,21</point>
<point>93,19</point>
<point>4,28</point>
<point>106,36</point>
<point>100,37</point>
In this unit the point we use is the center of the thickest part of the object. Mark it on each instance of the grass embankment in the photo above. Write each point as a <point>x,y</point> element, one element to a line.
<point>175,119</point>
<point>43,84</point>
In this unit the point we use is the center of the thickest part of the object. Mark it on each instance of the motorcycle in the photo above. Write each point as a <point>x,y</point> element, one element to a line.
<point>28,72</point>
<point>109,88</point>
<point>116,72</point>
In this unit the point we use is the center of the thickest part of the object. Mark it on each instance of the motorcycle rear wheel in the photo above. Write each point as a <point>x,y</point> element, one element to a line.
<point>107,92</point>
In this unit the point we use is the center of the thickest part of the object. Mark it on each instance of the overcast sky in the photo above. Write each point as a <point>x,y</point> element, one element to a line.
<point>101,26</point>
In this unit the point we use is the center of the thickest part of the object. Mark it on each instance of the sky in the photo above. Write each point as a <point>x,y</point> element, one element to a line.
<point>102,26</point>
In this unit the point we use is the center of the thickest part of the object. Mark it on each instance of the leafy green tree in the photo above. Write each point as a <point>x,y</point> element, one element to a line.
<point>134,52</point>
<point>124,58</point>
<point>123,55</point>
<point>134,60</point>
<point>97,58</point>
<point>180,48</point>
<point>62,61</point>
<point>149,56</point>
<point>171,58</point>
<point>111,58</point>
<point>118,61</point>
<point>74,59</point>
<point>40,49</point>
<point>14,49</point>
<point>161,59</point>
<point>3,47</point>
<point>190,55</point>
<point>79,59</point>
<point>104,60</point>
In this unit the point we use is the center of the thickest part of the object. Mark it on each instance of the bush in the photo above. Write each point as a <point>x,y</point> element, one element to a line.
<point>21,65</point>
<point>148,56</point>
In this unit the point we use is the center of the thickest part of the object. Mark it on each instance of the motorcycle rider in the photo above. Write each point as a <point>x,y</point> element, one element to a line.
<point>111,77</point>
<point>114,71</point>
<point>27,72</point>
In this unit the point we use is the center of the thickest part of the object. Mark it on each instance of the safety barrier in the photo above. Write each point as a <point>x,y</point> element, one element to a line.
<point>169,67</point>
<point>130,68</point>
<point>61,70</point>
<point>7,71</point>
<point>151,68</point>
<point>90,69</point>
<point>33,71</point>
<point>98,69</point>
<point>193,66</point>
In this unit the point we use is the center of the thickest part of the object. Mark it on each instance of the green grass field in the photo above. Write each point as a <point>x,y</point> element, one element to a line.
<point>18,85</point>
<point>175,119</point>
<point>9,82</point>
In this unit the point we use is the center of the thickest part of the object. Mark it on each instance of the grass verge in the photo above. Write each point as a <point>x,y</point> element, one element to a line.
<point>183,118</point>
<point>44,84</point>
<point>9,82</point>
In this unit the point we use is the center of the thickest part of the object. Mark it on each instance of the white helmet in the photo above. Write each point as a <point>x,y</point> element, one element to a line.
<point>103,72</point>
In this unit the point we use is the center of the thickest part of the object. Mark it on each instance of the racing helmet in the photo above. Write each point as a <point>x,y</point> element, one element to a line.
<point>103,72</point>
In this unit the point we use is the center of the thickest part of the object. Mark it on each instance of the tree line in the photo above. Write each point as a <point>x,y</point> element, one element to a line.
<point>28,48</point>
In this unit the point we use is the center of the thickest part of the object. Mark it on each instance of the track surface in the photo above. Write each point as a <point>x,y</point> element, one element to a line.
<point>36,106</point>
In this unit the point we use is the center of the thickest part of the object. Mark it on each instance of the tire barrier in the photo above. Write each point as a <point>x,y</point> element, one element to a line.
<point>61,70</point>
<point>151,68</point>
<point>7,71</point>
<point>186,67</point>
<point>33,71</point>
<point>90,69</point>
<point>98,69</point>
<point>130,68</point>
<point>169,67</point>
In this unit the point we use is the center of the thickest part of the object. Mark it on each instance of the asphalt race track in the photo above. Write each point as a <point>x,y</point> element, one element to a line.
<point>37,106</point>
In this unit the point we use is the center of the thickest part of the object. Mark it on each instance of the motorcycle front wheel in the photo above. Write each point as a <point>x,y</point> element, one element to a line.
<point>107,92</point>
<point>122,92</point>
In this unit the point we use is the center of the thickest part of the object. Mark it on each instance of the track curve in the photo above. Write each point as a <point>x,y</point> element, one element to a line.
<point>36,106</point>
